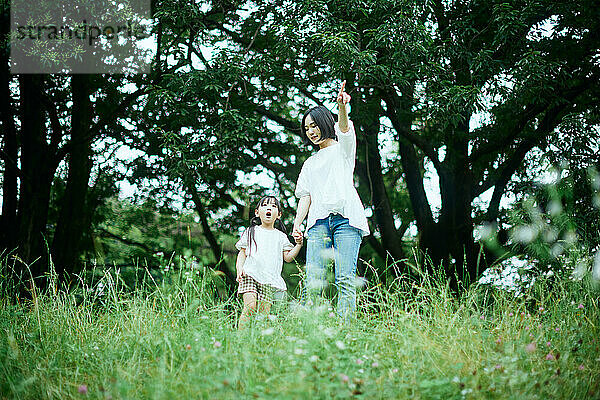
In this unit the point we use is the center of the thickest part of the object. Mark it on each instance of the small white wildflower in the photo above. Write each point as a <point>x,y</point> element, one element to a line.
<point>580,270</point>
<point>524,234</point>
<point>329,332</point>
<point>314,358</point>
<point>555,207</point>
<point>557,250</point>
<point>316,284</point>
<point>456,379</point>
<point>464,392</point>
<point>267,332</point>
<point>361,371</point>
<point>272,317</point>
<point>299,352</point>
<point>322,309</point>
<point>596,267</point>
<point>296,307</point>
<point>359,282</point>
<point>571,237</point>
<point>550,235</point>
<point>340,345</point>
<point>485,231</point>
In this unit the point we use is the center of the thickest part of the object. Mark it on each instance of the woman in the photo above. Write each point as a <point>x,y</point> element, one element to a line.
<point>336,220</point>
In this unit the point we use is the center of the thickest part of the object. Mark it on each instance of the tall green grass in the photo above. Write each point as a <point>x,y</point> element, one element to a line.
<point>174,338</point>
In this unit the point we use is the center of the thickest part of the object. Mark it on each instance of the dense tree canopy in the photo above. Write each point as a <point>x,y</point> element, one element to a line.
<point>468,89</point>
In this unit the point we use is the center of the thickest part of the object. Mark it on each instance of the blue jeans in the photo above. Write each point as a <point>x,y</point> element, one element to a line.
<point>333,238</point>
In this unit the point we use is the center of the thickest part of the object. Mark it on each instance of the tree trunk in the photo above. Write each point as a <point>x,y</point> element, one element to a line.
<point>455,229</point>
<point>368,117</point>
<point>216,248</point>
<point>8,220</point>
<point>71,225</point>
<point>426,226</point>
<point>37,169</point>
<point>453,246</point>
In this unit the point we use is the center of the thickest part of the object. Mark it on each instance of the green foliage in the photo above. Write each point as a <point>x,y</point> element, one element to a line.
<point>146,233</point>
<point>554,225</point>
<point>231,80</point>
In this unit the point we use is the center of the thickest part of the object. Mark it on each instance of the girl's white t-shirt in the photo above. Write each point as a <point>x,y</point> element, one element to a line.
<point>264,260</point>
<point>328,177</point>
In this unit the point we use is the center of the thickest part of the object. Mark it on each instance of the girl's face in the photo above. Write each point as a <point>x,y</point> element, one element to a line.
<point>268,212</point>
<point>312,130</point>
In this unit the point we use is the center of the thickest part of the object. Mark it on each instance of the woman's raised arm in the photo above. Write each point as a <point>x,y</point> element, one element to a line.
<point>343,98</point>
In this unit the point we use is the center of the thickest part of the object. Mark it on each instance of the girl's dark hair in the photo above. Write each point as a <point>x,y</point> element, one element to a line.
<point>324,120</point>
<point>255,221</point>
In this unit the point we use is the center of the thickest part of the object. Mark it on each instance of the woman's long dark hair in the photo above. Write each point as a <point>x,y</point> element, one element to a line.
<point>324,120</point>
<point>255,221</point>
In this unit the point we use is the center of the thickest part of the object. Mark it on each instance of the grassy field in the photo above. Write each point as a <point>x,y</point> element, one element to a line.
<point>173,340</point>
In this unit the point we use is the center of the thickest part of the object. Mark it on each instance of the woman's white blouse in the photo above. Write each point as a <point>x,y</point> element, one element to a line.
<point>264,260</point>
<point>328,177</point>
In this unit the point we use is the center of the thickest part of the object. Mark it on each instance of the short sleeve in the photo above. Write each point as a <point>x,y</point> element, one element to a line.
<point>302,184</point>
<point>287,245</point>
<point>243,242</point>
<point>347,140</point>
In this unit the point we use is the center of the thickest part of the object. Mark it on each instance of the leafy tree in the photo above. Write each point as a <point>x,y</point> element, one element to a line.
<point>49,119</point>
<point>470,87</point>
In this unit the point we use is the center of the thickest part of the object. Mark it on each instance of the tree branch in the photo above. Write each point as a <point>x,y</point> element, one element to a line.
<point>551,119</point>
<point>531,110</point>
<point>57,130</point>
<point>292,126</point>
<point>508,168</point>
<point>109,234</point>
<point>392,104</point>
<point>215,246</point>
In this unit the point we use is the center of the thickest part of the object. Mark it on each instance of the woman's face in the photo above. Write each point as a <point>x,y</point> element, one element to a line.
<point>312,130</point>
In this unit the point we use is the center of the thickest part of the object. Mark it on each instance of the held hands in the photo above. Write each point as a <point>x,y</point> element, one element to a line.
<point>297,234</point>
<point>298,237</point>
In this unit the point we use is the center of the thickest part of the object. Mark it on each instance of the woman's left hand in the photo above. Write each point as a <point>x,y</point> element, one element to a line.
<point>343,98</point>
<point>298,237</point>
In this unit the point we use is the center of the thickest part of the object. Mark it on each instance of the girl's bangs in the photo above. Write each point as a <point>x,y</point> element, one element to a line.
<point>269,200</point>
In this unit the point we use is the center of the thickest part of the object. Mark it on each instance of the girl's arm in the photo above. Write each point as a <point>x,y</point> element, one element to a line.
<point>343,98</point>
<point>303,206</point>
<point>288,256</point>
<point>239,264</point>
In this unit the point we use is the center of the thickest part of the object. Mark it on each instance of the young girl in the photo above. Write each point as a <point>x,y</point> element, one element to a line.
<point>262,251</point>
<point>336,219</point>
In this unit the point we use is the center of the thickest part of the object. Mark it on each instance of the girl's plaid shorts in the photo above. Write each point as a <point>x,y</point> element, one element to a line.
<point>263,292</point>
